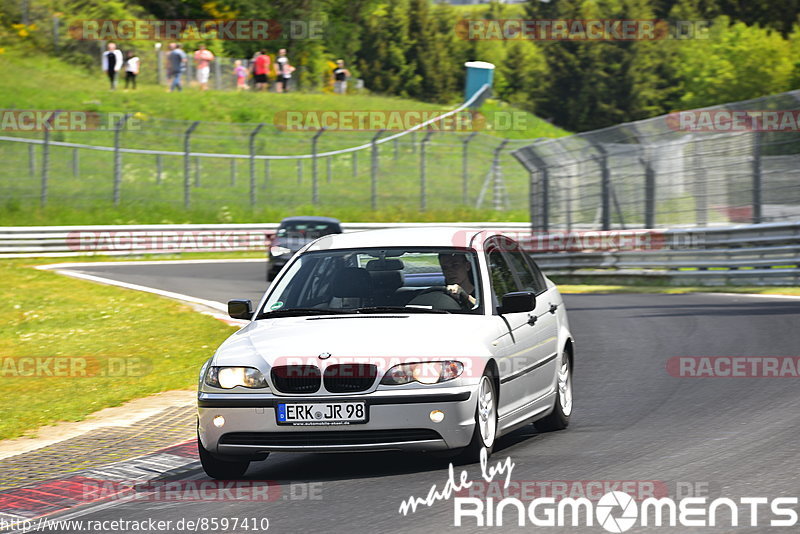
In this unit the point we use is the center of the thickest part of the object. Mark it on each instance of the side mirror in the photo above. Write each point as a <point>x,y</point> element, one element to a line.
<point>518,301</point>
<point>240,309</point>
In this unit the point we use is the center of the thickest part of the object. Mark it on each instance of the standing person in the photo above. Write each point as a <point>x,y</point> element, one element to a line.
<point>340,76</point>
<point>261,69</point>
<point>283,70</point>
<point>241,75</point>
<point>112,62</point>
<point>176,65</point>
<point>131,69</point>
<point>203,59</point>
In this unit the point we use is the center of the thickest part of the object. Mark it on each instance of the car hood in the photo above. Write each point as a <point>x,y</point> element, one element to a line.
<point>348,338</point>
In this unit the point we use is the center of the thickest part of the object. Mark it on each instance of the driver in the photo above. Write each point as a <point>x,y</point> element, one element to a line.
<point>458,277</point>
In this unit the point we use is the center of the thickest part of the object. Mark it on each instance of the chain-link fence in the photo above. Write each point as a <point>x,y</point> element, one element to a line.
<point>147,162</point>
<point>694,168</point>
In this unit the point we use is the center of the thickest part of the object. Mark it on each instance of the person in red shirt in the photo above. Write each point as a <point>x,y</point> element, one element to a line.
<point>260,70</point>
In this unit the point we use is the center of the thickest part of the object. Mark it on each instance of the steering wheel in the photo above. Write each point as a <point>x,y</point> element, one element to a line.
<point>432,297</point>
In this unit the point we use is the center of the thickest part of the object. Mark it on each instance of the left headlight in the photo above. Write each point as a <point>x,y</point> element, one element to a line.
<point>230,377</point>
<point>279,251</point>
<point>423,372</point>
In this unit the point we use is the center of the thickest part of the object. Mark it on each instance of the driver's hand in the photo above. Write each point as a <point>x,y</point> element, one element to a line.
<point>458,293</point>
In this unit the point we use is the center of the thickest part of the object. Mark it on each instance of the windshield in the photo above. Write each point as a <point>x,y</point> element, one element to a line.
<point>307,229</point>
<point>415,280</point>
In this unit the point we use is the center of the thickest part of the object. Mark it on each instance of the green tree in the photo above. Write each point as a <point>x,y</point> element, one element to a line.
<point>383,63</point>
<point>737,62</point>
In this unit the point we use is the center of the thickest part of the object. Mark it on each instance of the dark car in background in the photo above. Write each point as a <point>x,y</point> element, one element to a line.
<point>293,234</point>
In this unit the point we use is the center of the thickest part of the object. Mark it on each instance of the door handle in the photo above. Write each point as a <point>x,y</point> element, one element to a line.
<point>553,308</point>
<point>532,320</point>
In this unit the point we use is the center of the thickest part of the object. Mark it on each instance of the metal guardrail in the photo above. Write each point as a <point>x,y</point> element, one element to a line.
<point>128,240</point>
<point>764,254</point>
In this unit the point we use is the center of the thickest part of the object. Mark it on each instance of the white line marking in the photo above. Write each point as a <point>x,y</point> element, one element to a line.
<point>757,295</point>
<point>69,265</point>
<point>214,305</point>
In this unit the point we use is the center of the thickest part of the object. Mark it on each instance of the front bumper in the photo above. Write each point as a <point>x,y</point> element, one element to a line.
<point>398,421</point>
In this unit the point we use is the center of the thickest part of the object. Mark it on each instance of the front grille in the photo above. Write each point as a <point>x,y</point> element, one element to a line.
<point>333,437</point>
<point>349,377</point>
<point>296,378</point>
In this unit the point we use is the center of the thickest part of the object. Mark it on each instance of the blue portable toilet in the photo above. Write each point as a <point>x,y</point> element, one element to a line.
<point>479,73</point>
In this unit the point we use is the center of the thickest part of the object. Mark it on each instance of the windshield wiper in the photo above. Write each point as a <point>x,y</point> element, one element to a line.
<point>397,309</point>
<point>297,312</point>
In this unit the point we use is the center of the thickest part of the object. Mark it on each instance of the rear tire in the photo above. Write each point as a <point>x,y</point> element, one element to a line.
<point>562,410</point>
<point>221,469</point>
<point>485,433</point>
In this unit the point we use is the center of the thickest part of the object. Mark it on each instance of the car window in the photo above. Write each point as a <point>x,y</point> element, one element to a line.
<point>530,278</point>
<point>309,230</point>
<point>358,278</point>
<point>501,274</point>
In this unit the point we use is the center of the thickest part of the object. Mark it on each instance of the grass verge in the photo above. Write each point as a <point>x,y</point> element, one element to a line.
<point>142,343</point>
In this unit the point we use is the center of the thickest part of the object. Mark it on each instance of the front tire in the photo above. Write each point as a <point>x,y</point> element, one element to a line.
<point>221,469</point>
<point>559,417</point>
<point>485,433</point>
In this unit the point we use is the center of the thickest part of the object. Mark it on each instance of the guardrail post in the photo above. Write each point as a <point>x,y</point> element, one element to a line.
<point>328,163</point>
<point>355,164</point>
<point>46,159</point>
<point>396,148</point>
<point>118,158</point>
<point>423,151</point>
<point>605,188</point>
<point>75,163</point>
<point>32,160</point>
<point>373,171</point>
<point>465,167</point>
<point>187,179</point>
<point>758,138</point>
<point>233,172</point>
<point>159,65</point>
<point>252,147</point>
<point>497,177</point>
<point>197,171</point>
<point>266,173</point>
<point>299,171</point>
<point>217,74</point>
<point>314,175</point>
<point>649,194</point>
<point>159,169</point>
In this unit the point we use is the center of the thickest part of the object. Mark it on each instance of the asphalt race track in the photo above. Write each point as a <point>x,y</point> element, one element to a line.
<point>633,421</point>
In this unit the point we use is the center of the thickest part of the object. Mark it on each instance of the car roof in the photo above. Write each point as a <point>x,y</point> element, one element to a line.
<point>402,237</point>
<point>310,218</point>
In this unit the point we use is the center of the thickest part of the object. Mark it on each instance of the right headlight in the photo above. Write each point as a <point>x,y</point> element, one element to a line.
<point>423,372</point>
<point>230,377</point>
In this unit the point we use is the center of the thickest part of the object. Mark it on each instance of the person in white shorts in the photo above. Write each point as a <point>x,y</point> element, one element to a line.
<point>203,58</point>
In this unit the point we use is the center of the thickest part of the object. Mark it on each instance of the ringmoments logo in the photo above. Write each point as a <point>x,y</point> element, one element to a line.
<point>617,512</point>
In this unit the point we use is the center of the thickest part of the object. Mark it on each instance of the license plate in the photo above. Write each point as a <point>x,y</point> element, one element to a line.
<point>329,413</point>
